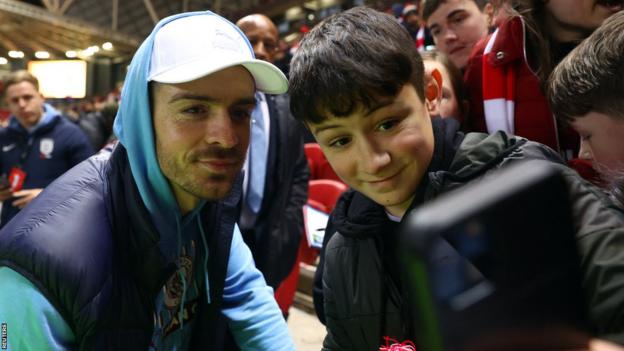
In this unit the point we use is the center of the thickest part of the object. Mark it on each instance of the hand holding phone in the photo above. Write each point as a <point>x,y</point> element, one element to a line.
<point>4,182</point>
<point>5,188</point>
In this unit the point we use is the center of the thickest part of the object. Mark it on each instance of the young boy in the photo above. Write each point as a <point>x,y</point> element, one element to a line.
<point>357,83</point>
<point>586,90</point>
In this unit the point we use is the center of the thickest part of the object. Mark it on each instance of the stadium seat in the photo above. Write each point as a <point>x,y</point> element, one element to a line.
<point>322,195</point>
<point>319,167</point>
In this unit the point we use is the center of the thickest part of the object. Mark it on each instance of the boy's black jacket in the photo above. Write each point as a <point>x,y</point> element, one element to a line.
<point>361,286</point>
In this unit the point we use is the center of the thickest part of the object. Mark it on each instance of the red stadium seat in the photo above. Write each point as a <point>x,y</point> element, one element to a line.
<point>319,167</point>
<point>326,192</point>
<point>322,195</point>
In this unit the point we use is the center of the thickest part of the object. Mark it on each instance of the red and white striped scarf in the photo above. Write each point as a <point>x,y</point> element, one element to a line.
<point>420,39</point>
<point>499,84</point>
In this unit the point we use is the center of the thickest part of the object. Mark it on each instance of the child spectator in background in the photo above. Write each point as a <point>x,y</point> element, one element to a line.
<point>586,91</point>
<point>454,102</point>
<point>506,74</point>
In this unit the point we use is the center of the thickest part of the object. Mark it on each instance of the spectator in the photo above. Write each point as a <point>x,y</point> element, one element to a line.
<point>37,146</point>
<point>272,227</point>
<point>586,90</point>
<point>412,20</point>
<point>371,118</point>
<point>508,70</point>
<point>98,125</point>
<point>457,25</point>
<point>138,249</point>
<point>453,102</point>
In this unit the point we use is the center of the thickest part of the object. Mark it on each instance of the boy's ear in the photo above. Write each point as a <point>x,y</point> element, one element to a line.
<point>433,91</point>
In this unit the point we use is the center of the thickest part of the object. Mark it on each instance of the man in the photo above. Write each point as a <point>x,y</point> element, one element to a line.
<point>139,249</point>
<point>586,91</point>
<point>370,115</point>
<point>457,25</point>
<point>412,21</point>
<point>276,172</point>
<point>37,146</point>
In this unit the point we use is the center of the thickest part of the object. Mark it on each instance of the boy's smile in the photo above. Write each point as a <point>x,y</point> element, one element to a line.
<point>382,152</point>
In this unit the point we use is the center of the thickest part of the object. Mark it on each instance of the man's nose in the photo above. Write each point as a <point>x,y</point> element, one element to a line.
<point>222,131</point>
<point>260,51</point>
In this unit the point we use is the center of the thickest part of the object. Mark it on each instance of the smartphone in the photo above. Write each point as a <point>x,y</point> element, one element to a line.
<point>496,261</point>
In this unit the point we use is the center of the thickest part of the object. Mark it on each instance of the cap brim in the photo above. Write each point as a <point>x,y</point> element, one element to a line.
<point>268,78</point>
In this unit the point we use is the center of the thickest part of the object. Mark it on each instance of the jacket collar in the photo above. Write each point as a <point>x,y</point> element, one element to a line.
<point>510,42</point>
<point>480,152</point>
<point>48,120</point>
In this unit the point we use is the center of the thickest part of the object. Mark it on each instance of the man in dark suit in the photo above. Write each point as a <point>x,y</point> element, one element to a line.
<point>274,190</point>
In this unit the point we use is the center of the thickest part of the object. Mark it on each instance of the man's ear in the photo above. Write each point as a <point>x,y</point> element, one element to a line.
<point>433,91</point>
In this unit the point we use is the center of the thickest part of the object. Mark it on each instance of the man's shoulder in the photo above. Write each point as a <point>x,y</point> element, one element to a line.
<point>71,203</point>
<point>279,107</point>
<point>66,230</point>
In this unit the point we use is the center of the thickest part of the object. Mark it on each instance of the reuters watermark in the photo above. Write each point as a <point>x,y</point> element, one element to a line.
<point>5,341</point>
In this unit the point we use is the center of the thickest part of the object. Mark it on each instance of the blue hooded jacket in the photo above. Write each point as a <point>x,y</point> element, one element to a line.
<point>120,211</point>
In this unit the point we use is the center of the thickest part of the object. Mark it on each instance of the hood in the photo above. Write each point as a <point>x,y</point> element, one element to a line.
<point>357,216</point>
<point>133,126</point>
<point>480,152</point>
<point>48,119</point>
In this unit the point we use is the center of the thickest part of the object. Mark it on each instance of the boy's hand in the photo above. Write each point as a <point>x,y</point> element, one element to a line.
<point>24,197</point>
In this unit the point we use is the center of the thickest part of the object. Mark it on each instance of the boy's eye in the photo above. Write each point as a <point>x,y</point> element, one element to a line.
<point>340,142</point>
<point>387,125</point>
<point>458,18</point>
<point>585,137</point>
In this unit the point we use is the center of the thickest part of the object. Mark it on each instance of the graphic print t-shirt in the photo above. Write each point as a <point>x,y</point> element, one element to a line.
<point>173,325</point>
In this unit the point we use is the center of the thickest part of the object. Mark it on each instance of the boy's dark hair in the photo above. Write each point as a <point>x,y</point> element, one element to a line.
<point>20,76</point>
<point>590,78</point>
<point>349,61</point>
<point>432,5</point>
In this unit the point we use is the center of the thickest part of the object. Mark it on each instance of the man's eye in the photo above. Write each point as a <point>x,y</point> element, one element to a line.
<point>195,110</point>
<point>241,114</point>
<point>435,32</point>
<point>270,46</point>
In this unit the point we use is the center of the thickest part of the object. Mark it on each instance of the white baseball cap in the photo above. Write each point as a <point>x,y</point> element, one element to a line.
<point>192,47</point>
